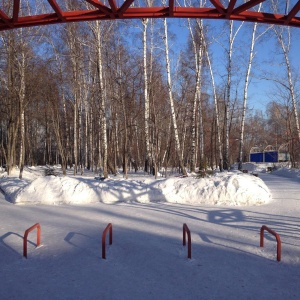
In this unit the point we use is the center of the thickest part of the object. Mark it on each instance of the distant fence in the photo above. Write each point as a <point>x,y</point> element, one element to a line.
<point>269,154</point>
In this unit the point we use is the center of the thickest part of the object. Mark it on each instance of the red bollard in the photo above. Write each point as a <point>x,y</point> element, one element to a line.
<point>37,225</point>
<point>263,228</point>
<point>108,227</point>
<point>186,230</point>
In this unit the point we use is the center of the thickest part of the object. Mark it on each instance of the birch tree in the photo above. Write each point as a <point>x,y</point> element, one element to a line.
<point>170,93</point>
<point>145,22</point>
<point>21,96</point>
<point>11,108</point>
<point>254,39</point>
<point>216,107</point>
<point>250,59</point>
<point>199,90</point>
<point>155,95</point>
<point>283,35</point>
<point>198,49</point>
<point>98,35</point>
<point>231,39</point>
<point>18,54</point>
<point>74,52</point>
<point>146,96</point>
<point>61,127</point>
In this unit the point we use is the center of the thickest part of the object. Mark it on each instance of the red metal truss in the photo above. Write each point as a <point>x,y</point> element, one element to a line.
<point>13,16</point>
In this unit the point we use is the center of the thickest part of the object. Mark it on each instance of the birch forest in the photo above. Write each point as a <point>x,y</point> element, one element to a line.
<point>117,96</point>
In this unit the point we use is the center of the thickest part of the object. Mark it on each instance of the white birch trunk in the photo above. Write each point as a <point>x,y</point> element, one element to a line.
<point>117,151</point>
<point>194,106</point>
<point>72,45</point>
<point>125,145</point>
<point>98,35</point>
<point>64,151</point>
<point>14,117</point>
<point>232,37</point>
<point>91,142</point>
<point>227,101</point>
<point>198,90</point>
<point>67,150</point>
<point>80,129</point>
<point>86,133</point>
<point>218,129</point>
<point>22,112</point>
<point>285,50</point>
<point>146,98</point>
<point>251,56</point>
<point>198,56</point>
<point>173,114</point>
<point>75,142</point>
<point>99,165</point>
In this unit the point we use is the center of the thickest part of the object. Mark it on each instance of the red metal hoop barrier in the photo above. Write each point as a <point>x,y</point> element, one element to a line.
<point>263,228</point>
<point>38,238</point>
<point>184,231</point>
<point>108,227</point>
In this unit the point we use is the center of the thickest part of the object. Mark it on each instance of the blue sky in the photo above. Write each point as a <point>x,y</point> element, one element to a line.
<point>268,58</point>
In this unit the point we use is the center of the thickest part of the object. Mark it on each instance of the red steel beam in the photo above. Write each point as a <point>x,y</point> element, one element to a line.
<point>57,9</point>
<point>218,5</point>
<point>261,17</point>
<point>101,7</point>
<point>124,7</point>
<point>113,5</point>
<point>292,13</point>
<point>101,12</point>
<point>230,8</point>
<point>16,10</point>
<point>171,8</point>
<point>244,7</point>
<point>4,17</point>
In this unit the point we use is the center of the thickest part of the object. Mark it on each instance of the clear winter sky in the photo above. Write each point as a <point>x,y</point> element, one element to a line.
<point>268,58</point>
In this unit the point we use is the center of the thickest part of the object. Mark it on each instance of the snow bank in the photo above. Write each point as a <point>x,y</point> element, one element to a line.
<point>289,173</point>
<point>57,190</point>
<point>229,189</point>
<point>223,189</point>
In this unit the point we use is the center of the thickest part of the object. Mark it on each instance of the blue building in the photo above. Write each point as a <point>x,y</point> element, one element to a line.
<point>269,155</point>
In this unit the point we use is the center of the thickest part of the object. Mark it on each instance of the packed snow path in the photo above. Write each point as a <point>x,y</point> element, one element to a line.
<point>147,259</point>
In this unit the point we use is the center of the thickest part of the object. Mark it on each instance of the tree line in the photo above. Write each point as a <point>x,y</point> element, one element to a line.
<point>110,95</point>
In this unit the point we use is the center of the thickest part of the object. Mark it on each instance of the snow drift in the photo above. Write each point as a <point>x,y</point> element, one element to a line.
<point>226,188</point>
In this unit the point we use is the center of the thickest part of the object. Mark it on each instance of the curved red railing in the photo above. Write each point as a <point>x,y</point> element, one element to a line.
<point>185,230</point>
<point>38,238</point>
<point>263,228</point>
<point>108,228</point>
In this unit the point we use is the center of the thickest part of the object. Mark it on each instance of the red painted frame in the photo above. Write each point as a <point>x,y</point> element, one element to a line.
<point>99,11</point>
<point>38,242</point>
<point>108,228</point>
<point>263,228</point>
<point>186,230</point>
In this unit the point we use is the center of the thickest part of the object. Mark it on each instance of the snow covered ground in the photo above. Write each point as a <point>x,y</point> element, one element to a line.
<point>147,259</point>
